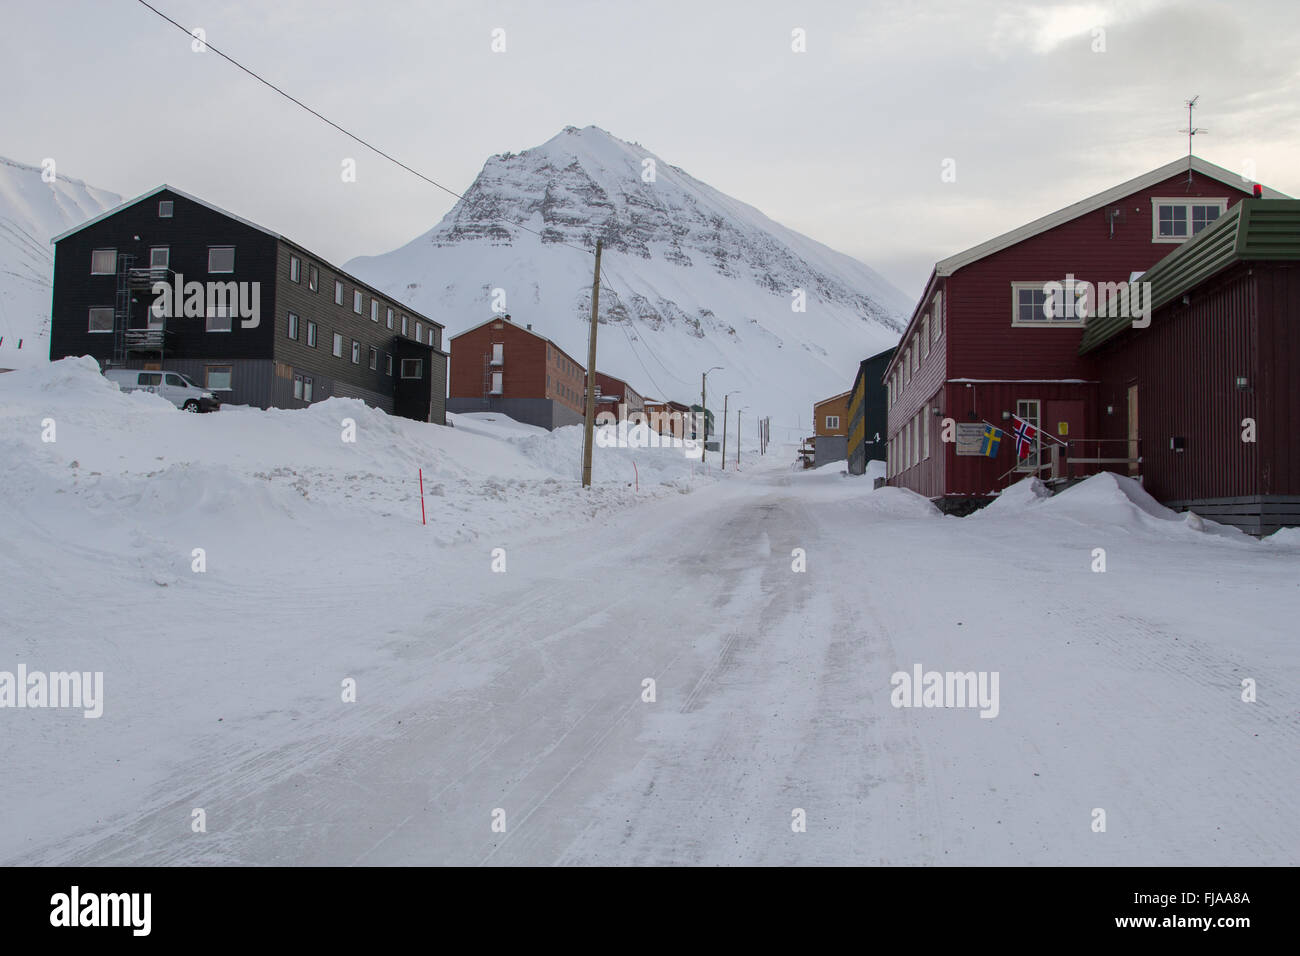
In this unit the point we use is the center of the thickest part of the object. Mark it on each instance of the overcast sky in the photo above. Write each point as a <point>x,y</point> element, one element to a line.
<point>845,142</point>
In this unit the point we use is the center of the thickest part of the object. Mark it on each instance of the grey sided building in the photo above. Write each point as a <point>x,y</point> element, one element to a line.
<point>167,280</point>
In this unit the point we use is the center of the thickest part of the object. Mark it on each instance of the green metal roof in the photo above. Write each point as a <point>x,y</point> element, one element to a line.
<point>1252,230</point>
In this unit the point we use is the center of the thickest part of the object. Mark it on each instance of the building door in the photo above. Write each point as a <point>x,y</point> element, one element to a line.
<point>1028,409</point>
<point>1133,435</point>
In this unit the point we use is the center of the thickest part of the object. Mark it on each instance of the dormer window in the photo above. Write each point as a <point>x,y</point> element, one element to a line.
<point>1177,220</point>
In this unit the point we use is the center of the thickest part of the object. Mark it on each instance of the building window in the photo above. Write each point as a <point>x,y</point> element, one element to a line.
<point>388,364</point>
<point>925,337</point>
<point>338,292</point>
<point>358,301</point>
<point>219,319</point>
<point>390,318</point>
<point>1029,304</point>
<point>404,325</point>
<point>937,313</point>
<point>103,262</point>
<point>295,269</point>
<point>164,209</point>
<point>419,332</point>
<point>356,352</point>
<point>221,258</point>
<point>293,326</point>
<point>925,432</point>
<point>313,278</point>
<point>159,257</point>
<point>412,368</point>
<point>297,387</point>
<point>311,335</point>
<point>832,422</point>
<point>374,310</point>
<point>306,388</point>
<point>101,320</point>
<point>907,366</point>
<point>338,346</point>
<point>374,358</point>
<point>217,378</point>
<point>916,356</point>
<point>1176,220</point>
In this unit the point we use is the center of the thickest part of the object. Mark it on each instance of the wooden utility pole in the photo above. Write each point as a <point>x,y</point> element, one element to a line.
<point>704,414</point>
<point>739,416</point>
<point>589,425</point>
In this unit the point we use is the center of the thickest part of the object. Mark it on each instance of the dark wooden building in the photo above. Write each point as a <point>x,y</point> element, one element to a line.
<point>868,412</point>
<point>1208,391</point>
<point>259,319</point>
<point>979,346</point>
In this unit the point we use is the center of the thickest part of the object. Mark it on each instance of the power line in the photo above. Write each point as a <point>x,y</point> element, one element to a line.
<point>325,119</point>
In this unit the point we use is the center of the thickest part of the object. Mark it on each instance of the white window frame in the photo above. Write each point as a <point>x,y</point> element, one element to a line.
<point>1017,287</point>
<point>90,323</point>
<point>1187,202</point>
<point>166,208</point>
<point>356,352</point>
<point>937,311</point>
<point>390,318</point>
<point>297,386</point>
<point>313,278</point>
<point>832,421</point>
<point>338,292</point>
<point>293,326</point>
<point>295,269</point>
<point>207,378</point>
<point>374,359</point>
<point>167,257</point>
<point>221,272</point>
<point>388,364</point>
<point>358,302</point>
<point>925,336</point>
<point>311,334</point>
<point>100,272</point>
<point>925,433</point>
<point>419,368</point>
<point>217,314</point>
<point>374,310</point>
<point>308,389</point>
<point>419,332</point>
<point>336,345</point>
<point>404,321</point>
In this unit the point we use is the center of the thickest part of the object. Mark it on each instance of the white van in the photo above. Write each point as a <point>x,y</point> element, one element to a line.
<point>173,386</point>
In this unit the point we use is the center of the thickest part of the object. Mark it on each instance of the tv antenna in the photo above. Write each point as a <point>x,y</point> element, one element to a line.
<point>1191,131</point>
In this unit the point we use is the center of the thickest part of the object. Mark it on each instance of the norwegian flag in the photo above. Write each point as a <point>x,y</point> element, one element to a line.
<point>1024,435</point>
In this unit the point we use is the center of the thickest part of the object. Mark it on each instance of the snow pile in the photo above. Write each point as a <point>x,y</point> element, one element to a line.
<point>133,458</point>
<point>1024,494</point>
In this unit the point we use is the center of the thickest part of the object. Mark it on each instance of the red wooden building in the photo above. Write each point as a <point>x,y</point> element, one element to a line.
<point>499,366</point>
<point>979,347</point>
<point>1208,390</point>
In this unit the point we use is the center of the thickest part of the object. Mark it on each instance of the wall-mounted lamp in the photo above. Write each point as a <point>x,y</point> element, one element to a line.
<point>1110,409</point>
<point>1187,300</point>
<point>1006,416</point>
<point>936,411</point>
<point>1241,381</point>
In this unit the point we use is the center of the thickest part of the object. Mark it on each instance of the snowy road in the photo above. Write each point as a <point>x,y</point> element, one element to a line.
<point>522,692</point>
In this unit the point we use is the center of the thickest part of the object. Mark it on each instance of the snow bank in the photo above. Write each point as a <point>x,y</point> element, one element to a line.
<point>133,457</point>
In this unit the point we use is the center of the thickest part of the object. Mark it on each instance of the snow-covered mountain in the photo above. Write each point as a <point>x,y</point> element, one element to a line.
<point>31,212</point>
<point>692,277</point>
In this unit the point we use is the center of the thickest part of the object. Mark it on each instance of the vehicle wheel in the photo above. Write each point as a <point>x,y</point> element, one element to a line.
<point>191,406</point>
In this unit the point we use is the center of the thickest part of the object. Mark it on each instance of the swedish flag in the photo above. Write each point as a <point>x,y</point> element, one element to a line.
<point>990,441</point>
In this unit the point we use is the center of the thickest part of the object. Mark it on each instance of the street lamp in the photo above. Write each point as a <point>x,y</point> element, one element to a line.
<point>734,391</point>
<point>704,409</point>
